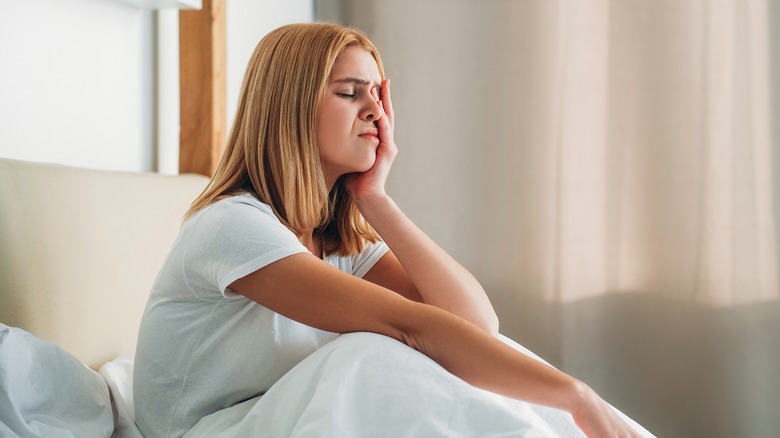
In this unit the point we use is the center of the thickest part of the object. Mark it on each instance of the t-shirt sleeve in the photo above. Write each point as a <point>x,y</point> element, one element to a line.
<point>231,240</point>
<point>365,260</point>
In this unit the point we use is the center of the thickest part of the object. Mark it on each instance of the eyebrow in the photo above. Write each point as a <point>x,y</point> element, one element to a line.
<point>351,80</point>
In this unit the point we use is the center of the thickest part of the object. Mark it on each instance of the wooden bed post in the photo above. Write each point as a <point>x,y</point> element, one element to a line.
<point>202,87</point>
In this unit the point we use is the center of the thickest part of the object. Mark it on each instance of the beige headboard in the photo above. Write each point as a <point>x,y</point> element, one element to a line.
<point>79,251</point>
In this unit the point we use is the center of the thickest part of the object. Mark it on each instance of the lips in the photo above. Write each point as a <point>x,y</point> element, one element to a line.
<point>370,134</point>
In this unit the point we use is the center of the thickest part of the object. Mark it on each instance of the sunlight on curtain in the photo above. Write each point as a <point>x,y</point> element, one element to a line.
<point>578,152</point>
<point>738,256</point>
<point>660,152</point>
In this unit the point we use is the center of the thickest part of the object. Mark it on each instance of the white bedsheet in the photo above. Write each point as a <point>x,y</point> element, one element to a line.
<point>368,385</point>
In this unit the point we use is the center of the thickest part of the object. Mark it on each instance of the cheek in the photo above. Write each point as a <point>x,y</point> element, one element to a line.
<point>337,131</point>
<point>329,141</point>
<point>335,123</point>
<point>324,130</point>
<point>328,136</point>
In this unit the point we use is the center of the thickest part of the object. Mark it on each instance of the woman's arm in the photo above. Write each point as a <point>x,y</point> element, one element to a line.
<point>417,262</point>
<point>416,265</point>
<point>304,288</point>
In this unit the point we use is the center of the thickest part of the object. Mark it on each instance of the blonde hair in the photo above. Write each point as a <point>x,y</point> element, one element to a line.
<point>271,151</point>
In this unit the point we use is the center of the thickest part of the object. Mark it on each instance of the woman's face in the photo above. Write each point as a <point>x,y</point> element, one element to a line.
<point>346,132</point>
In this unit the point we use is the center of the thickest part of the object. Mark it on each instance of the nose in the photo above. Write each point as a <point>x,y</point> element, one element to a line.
<point>371,111</point>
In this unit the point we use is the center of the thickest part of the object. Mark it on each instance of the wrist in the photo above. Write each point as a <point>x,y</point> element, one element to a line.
<point>581,398</point>
<point>377,210</point>
<point>372,201</point>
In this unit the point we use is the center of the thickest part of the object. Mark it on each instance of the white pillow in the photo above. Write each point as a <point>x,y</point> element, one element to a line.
<point>119,376</point>
<point>46,392</point>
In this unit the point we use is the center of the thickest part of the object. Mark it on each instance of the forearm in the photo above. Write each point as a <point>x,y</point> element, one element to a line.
<point>440,280</point>
<point>485,362</point>
<point>488,363</point>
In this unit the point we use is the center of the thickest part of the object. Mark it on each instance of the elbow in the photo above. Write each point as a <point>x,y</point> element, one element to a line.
<point>495,325</point>
<point>486,320</point>
<point>490,324</point>
<point>486,317</point>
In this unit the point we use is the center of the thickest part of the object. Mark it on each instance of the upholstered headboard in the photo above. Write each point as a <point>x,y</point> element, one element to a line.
<point>79,251</point>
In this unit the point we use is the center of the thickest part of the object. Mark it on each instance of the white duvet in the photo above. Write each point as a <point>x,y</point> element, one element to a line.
<point>368,385</point>
<point>359,385</point>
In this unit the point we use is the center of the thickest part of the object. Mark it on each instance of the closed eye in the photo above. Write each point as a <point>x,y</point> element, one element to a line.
<point>347,96</point>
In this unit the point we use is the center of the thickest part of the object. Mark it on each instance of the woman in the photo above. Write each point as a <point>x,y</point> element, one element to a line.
<point>288,246</point>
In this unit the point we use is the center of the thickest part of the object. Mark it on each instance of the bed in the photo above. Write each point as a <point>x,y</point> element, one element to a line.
<point>79,250</point>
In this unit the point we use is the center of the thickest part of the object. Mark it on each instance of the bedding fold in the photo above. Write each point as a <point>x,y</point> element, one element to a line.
<point>365,384</point>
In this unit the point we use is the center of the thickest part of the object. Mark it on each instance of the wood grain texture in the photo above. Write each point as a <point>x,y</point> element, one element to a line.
<point>202,87</point>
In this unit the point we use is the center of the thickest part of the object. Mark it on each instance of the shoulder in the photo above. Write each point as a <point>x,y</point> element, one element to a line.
<point>238,203</point>
<point>232,238</point>
<point>234,210</point>
<point>237,221</point>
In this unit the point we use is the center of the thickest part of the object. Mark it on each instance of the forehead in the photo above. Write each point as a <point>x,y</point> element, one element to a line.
<point>356,62</point>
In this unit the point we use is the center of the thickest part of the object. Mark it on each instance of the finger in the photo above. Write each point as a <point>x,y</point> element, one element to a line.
<point>387,102</point>
<point>384,124</point>
<point>383,115</point>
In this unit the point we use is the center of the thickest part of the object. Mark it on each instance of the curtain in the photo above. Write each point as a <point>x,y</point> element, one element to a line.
<point>607,169</point>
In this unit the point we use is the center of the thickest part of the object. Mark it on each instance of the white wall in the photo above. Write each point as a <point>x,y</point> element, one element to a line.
<point>76,83</point>
<point>78,77</point>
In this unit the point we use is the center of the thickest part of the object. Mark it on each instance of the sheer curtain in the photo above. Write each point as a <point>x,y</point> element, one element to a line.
<point>607,170</point>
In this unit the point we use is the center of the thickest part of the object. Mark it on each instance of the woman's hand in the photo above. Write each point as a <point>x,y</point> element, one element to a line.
<point>371,184</point>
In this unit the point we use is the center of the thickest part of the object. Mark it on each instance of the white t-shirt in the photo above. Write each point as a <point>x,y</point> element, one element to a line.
<point>202,347</point>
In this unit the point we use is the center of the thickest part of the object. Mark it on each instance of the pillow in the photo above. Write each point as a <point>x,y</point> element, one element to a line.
<point>46,392</point>
<point>119,376</point>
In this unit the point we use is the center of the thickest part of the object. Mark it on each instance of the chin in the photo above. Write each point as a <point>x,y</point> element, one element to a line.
<point>357,165</point>
<point>365,168</point>
<point>368,165</point>
<point>365,164</point>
